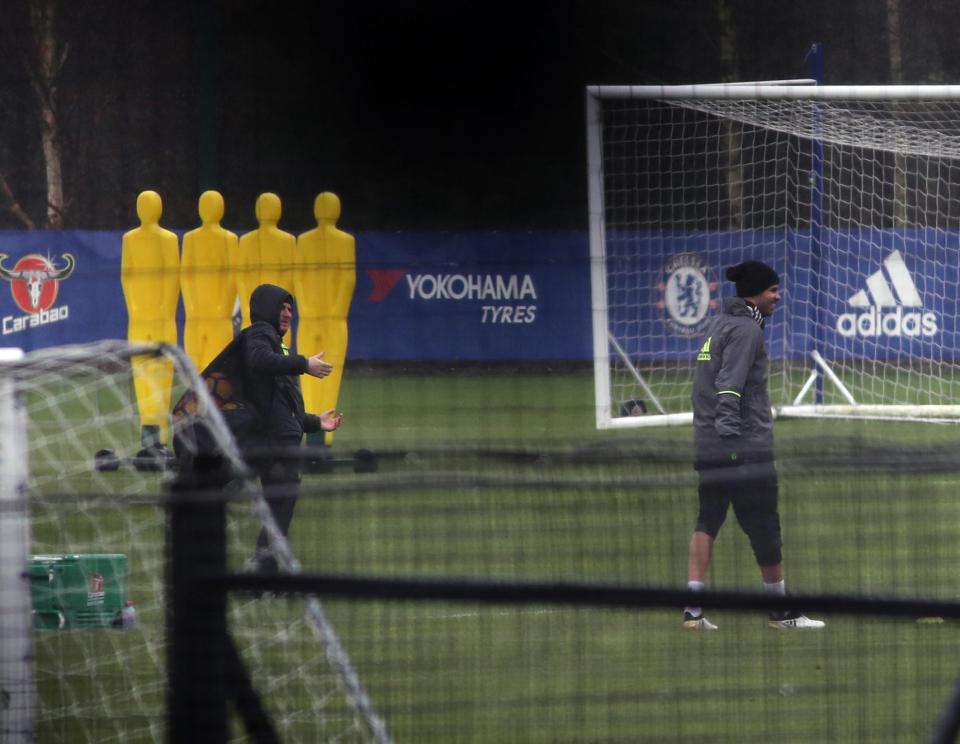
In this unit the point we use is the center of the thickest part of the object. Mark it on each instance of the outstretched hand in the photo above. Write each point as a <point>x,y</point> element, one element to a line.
<point>330,420</point>
<point>317,367</point>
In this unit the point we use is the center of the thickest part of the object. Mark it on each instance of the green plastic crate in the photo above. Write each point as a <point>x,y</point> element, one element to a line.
<point>77,591</point>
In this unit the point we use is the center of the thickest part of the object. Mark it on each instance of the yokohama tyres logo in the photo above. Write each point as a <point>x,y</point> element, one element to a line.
<point>35,281</point>
<point>509,298</point>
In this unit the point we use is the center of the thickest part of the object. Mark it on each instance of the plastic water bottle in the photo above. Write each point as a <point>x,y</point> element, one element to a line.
<point>128,615</point>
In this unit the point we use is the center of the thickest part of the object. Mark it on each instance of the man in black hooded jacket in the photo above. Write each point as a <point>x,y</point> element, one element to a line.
<point>271,383</point>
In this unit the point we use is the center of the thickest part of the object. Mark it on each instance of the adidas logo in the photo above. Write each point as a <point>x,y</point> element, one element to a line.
<point>890,313</point>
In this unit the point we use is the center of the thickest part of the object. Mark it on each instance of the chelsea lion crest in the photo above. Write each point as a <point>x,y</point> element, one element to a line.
<point>686,294</point>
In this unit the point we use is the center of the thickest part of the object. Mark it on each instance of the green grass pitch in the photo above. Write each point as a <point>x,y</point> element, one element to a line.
<point>441,672</point>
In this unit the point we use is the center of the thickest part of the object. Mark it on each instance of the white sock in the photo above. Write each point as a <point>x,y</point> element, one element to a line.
<point>695,586</point>
<point>777,588</point>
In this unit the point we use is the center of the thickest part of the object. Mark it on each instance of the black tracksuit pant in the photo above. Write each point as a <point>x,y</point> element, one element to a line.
<point>280,478</point>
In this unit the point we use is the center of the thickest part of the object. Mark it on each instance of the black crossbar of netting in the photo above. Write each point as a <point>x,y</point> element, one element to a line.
<point>587,595</point>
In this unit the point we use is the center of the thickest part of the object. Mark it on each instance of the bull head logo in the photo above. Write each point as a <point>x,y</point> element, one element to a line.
<point>34,281</point>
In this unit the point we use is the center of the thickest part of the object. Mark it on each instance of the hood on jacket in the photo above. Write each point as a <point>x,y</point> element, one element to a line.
<point>265,303</point>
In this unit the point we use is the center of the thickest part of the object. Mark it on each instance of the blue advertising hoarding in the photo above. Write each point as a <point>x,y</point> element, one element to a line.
<point>41,306</point>
<point>432,296</point>
<point>471,297</point>
<point>526,296</point>
<point>875,294</point>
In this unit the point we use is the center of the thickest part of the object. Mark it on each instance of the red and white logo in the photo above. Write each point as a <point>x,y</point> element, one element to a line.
<point>35,281</point>
<point>96,589</point>
<point>383,282</point>
<point>96,583</point>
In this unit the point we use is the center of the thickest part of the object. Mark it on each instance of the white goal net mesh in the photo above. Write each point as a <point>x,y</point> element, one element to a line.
<point>854,201</point>
<point>98,536</point>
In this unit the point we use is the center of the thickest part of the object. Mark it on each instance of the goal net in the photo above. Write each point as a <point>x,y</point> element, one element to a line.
<point>76,666</point>
<point>851,193</point>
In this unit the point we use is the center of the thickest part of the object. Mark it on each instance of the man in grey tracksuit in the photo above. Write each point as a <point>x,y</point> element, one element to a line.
<point>733,437</point>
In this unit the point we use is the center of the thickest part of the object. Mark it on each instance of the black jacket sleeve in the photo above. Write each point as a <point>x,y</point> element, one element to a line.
<point>261,357</point>
<point>311,423</point>
<point>270,382</point>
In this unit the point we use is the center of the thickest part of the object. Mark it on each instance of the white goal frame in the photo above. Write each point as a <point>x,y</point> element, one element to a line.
<point>16,656</point>
<point>606,347</point>
<point>62,495</point>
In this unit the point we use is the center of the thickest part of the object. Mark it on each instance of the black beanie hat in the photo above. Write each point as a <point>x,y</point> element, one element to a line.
<point>752,278</point>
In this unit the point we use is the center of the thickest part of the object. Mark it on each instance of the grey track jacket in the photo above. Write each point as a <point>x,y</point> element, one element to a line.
<point>731,403</point>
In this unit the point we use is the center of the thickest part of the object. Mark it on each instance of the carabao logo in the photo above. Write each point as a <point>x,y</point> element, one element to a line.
<point>35,281</point>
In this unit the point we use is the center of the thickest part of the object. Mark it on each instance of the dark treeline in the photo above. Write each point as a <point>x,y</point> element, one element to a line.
<point>425,115</point>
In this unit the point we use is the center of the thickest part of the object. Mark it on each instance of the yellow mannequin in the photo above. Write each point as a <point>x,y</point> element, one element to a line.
<point>266,254</point>
<point>208,282</point>
<point>324,280</point>
<point>150,276</point>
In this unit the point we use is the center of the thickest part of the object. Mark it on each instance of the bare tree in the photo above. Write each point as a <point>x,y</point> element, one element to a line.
<point>895,56</point>
<point>894,38</point>
<point>44,62</point>
<point>13,204</point>
<point>731,129</point>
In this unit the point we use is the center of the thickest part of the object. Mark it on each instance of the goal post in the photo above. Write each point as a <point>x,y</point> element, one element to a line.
<point>852,193</point>
<point>89,510</point>
<point>16,658</point>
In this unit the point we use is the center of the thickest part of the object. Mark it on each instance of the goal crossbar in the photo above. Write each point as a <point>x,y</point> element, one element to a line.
<point>774,90</point>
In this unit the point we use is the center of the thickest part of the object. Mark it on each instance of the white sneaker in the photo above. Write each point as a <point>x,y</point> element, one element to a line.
<point>794,621</point>
<point>697,622</point>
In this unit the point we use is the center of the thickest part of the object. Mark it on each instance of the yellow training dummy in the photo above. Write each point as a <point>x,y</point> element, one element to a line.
<point>265,255</point>
<point>208,282</point>
<point>150,276</point>
<point>324,280</point>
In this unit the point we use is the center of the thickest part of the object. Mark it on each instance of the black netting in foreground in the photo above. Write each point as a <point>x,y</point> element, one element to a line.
<point>534,594</point>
